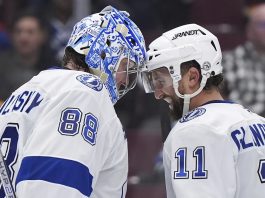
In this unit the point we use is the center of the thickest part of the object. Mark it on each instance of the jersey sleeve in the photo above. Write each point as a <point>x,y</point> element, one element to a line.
<point>69,147</point>
<point>112,182</point>
<point>199,162</point>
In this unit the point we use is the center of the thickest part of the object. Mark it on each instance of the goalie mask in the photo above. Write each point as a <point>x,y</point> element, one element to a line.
<point>114,49</point>
<point>182,44</point>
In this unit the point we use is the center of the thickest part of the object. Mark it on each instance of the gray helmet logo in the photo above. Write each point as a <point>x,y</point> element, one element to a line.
<point>206,66</point>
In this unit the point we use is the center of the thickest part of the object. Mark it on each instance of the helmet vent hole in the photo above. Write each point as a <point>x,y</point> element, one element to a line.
<point>213,45</point>
<point>101,23</point>
<point>101,14</point>
<point>108,42</point>
<point>81,48</point>
<point>126,23</point>
<point>103,55</point>
<point>157,55</point>
<point>150,58</point>
<point>78,40</point>
<point>212,73</point>
<point>133,41</point>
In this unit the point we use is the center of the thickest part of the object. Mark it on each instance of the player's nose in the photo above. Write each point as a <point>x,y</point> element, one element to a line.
<point>124,82</point>
<point>159,94</point>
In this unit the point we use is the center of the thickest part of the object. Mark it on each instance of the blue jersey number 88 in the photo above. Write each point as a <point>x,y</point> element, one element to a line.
<point>70,123</point>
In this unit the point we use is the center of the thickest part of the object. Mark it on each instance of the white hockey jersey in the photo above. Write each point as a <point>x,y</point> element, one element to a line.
<point>61,137</point>
<point>216,151</point>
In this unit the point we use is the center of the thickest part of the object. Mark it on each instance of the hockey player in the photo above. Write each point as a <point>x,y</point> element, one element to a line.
<point>60,135</point>
<point>217,147</point>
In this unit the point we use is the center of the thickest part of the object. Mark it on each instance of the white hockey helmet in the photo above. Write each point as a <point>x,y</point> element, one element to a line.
<point>182,44</point>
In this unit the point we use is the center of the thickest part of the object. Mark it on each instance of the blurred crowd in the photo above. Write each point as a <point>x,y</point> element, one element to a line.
<point>33,34</point>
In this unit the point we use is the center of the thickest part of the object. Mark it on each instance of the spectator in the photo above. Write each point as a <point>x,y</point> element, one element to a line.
<point>27,55</point>
<point>4,39</point>
<point>245,65</point>
<point>61,23</point>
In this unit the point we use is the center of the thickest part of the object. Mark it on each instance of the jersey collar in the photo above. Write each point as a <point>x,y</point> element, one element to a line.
<point>57,67</point>
<point>219,101</point>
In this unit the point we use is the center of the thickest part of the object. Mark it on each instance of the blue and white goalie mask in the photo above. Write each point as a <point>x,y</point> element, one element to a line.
<point>114,49</point>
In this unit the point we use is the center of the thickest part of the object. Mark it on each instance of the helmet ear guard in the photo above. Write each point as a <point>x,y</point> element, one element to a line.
<point>182,44</point>
<point>105,39</point>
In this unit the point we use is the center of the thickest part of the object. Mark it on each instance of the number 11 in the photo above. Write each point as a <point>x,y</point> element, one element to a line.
<point>199,172</point>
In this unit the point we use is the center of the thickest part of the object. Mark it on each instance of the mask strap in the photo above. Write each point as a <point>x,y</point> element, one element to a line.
<point>103,76</point>
<point>187,97</point>
<point>186,104</point>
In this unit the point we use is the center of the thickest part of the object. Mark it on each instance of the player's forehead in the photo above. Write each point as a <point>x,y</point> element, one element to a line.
<point>160,72</point>
<point>124,63</point>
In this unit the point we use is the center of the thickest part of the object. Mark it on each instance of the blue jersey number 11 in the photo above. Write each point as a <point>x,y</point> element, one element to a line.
<point>199,172</point>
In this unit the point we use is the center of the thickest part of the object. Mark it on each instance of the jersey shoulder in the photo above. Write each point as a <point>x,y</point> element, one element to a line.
<point>218,116</point>
<point>204,124</point>
<point>56,81</point>
<point>60,86</point>
<point>71,79</point>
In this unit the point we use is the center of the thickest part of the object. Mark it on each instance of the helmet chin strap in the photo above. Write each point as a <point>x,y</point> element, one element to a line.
<point>187,97</point>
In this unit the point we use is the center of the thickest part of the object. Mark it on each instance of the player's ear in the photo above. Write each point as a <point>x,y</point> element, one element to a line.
<point>194,77</point>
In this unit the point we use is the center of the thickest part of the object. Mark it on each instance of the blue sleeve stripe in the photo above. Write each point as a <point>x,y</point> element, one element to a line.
<point>56,170</point>
<point>122,188</point>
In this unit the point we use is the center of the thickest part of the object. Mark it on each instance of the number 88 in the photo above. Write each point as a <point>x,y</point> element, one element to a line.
<point>70,122</point>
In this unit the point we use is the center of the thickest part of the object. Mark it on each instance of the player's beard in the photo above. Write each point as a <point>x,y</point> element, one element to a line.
<point>176,109</point>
